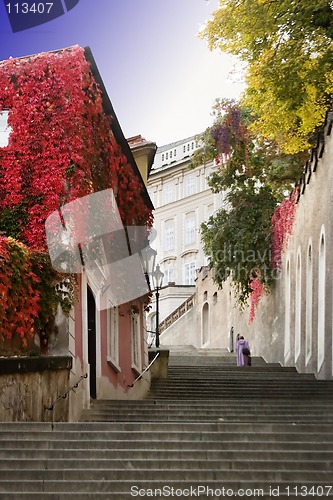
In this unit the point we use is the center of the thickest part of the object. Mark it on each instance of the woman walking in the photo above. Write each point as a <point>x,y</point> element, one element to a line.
<point>243,352</point>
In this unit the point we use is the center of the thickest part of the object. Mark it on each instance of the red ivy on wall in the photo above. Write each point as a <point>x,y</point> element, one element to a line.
<point>19,297</point>
<point>257,291</point>
<point>282,226</point>
<point>61,146</point>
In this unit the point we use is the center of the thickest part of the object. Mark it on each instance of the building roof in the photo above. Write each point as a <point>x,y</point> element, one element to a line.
<point>171,145</point>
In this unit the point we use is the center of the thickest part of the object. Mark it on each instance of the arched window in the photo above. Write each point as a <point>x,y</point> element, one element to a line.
<point>309,305</point>
<point>287,318</point>
<point>205,324</point>
<point>298,308</point>
<point>321,300</point>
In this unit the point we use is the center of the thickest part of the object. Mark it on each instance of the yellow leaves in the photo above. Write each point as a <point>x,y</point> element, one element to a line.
<point>289,51</point>
<point>329,82</point>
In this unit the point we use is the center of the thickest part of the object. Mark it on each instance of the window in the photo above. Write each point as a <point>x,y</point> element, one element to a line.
<point>287,317</point>
<point>189,273</point>
<point>184,148</point>
<point>298,308</point>
<point>162,156</point>
<point>169,236</point>
<point>192,145</point>
<point>169,193</point>
<point>113,336</point>
<point>169,275</point>
<point>190,230</point>
<point>188,147</point>
<point>170,154</point>
<point>190,185</point>
<point>309,305</point>
<point>321,301</point>
<point>175,152</point>
<point>166,156</point>
<point>5,129</point>
<point>135,336</point>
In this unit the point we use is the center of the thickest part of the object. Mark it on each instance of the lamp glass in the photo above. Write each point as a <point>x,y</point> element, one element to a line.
<point>158,277</point>
<point>148,259</point>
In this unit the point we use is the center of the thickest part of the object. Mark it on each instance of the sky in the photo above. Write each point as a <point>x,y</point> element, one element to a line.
<point>161,79</point>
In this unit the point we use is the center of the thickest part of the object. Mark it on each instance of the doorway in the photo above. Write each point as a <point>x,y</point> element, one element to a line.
<point>205,324</point>
<point>92,342</point>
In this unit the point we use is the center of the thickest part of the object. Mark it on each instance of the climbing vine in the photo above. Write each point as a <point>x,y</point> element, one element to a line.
<point>19,295</point>
<point>245,238</point>
<point>282,225</point>
<point>60,148</point>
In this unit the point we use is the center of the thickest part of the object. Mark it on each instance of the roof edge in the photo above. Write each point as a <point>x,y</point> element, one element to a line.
<point>115,125</point>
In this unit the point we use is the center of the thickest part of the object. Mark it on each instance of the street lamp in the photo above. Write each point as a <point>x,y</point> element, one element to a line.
<point>157,276</point>
<point>148,256</point>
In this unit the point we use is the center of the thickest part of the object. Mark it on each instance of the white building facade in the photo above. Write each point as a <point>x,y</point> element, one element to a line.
<point>183,200</point>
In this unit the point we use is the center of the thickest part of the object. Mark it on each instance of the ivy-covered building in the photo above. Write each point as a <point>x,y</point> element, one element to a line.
<point>61,146</point>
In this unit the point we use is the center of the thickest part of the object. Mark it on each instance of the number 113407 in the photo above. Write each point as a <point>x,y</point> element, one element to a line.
<point>25,8</point>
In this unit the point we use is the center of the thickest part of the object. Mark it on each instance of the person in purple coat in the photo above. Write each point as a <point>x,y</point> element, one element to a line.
<point>243,352</point>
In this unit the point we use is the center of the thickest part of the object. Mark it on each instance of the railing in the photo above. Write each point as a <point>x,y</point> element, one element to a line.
<point>177,313</point>
<point>64,395</point>
<point>144,371</point>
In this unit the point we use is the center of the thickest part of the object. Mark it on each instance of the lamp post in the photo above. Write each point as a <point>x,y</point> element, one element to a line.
<point>158,280</point>
<point>148,256</point>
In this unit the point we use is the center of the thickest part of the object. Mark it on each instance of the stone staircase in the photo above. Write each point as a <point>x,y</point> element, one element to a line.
<point>211,430</point>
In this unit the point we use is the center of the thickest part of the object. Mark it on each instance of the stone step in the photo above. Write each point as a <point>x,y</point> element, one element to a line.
<point>302,443</point>
<point>79,430</point>
<point>259,380</point>
<point>211,489</point>
<point>159,406</point>
<point>127,485</point>
<point>98,417</point>
<point>14,457</point>
<point>225,395</point>
<point>157,414</point>
<point>194,404</point>
<point>159,409</point>
<point>244,413</point>
<point>78,481</point>
<point>71,469</point>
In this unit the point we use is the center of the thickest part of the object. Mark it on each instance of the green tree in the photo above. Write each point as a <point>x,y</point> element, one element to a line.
<point>254,177</point>
<point>287,46</point>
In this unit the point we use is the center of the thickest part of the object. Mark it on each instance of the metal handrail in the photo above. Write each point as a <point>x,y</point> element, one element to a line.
<point>144,371</point>
<point>64,395</point>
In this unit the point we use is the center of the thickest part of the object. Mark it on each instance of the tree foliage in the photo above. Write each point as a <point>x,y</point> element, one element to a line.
<point>60,148</point>
<point>287,46</point>
<point>254,177</point>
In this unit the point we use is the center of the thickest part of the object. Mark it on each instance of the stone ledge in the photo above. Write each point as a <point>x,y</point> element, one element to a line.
<point>34,364</point>
<point>159,369</point>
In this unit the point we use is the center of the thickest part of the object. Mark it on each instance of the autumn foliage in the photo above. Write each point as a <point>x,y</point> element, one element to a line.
<point>19,296</point>
<point>282,226</point>
<point>60,148</point>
